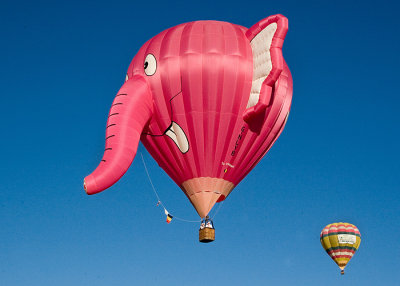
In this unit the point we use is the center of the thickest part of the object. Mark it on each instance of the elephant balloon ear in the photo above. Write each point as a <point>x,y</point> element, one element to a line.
<point>266,39</point>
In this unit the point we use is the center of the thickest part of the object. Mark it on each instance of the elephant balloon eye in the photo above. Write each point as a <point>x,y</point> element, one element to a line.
<point>150,65</point>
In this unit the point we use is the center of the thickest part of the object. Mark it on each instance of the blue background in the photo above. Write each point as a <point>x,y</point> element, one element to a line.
<point>61,64</point>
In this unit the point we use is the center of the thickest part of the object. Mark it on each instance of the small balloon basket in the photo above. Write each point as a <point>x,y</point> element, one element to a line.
<point>206,235</point>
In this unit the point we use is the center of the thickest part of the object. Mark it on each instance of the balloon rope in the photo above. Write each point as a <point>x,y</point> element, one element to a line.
<point>158,197</point>
<point>217,210</point>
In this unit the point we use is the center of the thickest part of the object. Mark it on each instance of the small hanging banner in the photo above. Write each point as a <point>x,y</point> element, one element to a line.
<point>169,217</point>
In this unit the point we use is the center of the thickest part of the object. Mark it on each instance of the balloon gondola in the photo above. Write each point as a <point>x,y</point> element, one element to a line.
<point>207,230</point>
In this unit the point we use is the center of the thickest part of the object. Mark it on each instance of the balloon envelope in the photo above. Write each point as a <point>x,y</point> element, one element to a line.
<point>208,99</point>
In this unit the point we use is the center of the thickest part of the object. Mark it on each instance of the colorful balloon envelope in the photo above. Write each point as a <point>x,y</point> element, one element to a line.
<point>207,99</point>
<point>340,240</point>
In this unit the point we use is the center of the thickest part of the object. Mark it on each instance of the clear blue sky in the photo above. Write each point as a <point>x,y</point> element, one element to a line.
<point>61,64</point>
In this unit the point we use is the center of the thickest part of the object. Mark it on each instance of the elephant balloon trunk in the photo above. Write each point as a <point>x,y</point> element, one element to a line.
<point>129,113</point>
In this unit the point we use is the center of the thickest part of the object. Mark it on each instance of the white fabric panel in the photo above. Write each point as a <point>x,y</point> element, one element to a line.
<point>334,254</point>
<point>176,133</point>
<point>262,64</point>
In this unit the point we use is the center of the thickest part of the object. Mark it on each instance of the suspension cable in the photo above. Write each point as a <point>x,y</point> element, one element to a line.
<point>159,202</point>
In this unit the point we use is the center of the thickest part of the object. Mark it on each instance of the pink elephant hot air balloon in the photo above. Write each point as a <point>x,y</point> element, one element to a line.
<point>207,99</point>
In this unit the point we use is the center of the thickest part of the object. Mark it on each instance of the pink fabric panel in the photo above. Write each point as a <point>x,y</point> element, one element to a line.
<point>205,98</point>
<point>215,61</point>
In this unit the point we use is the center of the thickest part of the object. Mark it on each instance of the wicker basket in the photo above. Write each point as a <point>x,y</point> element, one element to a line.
<point>206,235</point>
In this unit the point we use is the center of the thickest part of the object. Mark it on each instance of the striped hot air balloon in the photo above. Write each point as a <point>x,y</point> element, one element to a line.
<point>340,240</point>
